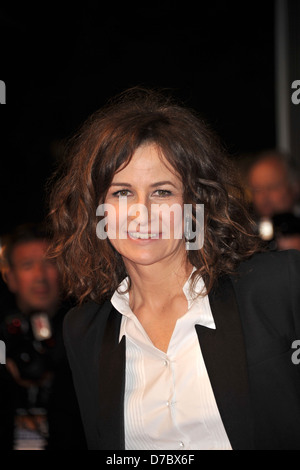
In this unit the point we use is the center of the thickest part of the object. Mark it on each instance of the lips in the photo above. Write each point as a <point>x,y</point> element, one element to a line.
<point>41,291</point>
<point>143,236</point>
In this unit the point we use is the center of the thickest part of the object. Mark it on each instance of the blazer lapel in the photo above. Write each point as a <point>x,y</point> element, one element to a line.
<point>112,385</point>
<point>225,358</point>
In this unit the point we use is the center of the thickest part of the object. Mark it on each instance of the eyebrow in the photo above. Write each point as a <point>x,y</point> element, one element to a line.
<point>154,185</point>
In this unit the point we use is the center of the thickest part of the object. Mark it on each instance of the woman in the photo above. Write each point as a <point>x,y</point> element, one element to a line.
<point>147,300</point>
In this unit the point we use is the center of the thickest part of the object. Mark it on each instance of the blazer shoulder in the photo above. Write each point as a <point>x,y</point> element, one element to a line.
<point>267,293</point>
<point>270,262</point>
<point>268,273</point>
<point>85,318</point>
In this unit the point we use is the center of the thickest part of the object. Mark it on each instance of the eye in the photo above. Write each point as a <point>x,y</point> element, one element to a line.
<point>162,193</point>
<point>26,265</point>
<point>121,193</point>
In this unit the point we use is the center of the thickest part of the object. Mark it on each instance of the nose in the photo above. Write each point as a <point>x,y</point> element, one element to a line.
<point>140,211</point>
<point>40,271</point>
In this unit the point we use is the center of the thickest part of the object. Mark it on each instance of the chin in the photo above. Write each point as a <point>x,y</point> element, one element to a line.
<point>142,260</point>
<point>148,258</point>
<point>42,306</point>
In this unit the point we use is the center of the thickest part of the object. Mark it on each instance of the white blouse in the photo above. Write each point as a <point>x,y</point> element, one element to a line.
<point>169,402</point>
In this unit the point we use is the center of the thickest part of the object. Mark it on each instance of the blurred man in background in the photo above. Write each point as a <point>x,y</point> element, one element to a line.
<point>274,189</point>
<point>38,405</point>
<point>29,275</point>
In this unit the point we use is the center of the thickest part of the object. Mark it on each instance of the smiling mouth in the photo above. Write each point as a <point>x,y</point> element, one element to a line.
<point>143,236</point>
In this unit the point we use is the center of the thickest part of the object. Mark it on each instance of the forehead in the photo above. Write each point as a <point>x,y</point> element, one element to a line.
<point>268,170</point>
<point>147,161</point>
<point>31,249</point>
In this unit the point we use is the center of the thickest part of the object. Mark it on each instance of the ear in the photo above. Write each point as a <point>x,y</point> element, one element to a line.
<point>10,279</point>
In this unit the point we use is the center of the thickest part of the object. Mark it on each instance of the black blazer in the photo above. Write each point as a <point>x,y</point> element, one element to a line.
<point>248,358</point>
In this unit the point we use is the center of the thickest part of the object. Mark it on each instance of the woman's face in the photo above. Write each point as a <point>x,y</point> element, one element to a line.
<point>144,207</point>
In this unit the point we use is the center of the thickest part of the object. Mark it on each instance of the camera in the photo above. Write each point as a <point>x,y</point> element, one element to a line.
<point>28,340</point>
<point>284,224</point>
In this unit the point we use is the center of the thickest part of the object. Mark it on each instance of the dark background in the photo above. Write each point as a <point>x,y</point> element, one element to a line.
<point>60,63</point>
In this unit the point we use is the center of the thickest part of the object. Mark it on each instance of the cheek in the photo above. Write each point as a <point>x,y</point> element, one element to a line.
<point>115,220</point>
<point>24,282</point>
<point>116,224</point>
<point>171,221</point>
<point>52,275</point>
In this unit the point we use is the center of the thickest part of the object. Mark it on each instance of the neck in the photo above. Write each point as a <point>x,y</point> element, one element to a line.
<point>26,309</point>
<point>159,283</point>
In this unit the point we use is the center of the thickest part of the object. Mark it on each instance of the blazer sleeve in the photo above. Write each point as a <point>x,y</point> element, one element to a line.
<point>294,283</point>
<point>84,394</point>
<point>83,330</point>
<point>79,338</point>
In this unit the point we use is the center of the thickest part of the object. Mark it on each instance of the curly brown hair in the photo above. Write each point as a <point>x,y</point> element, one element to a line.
<point>91,268</point>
